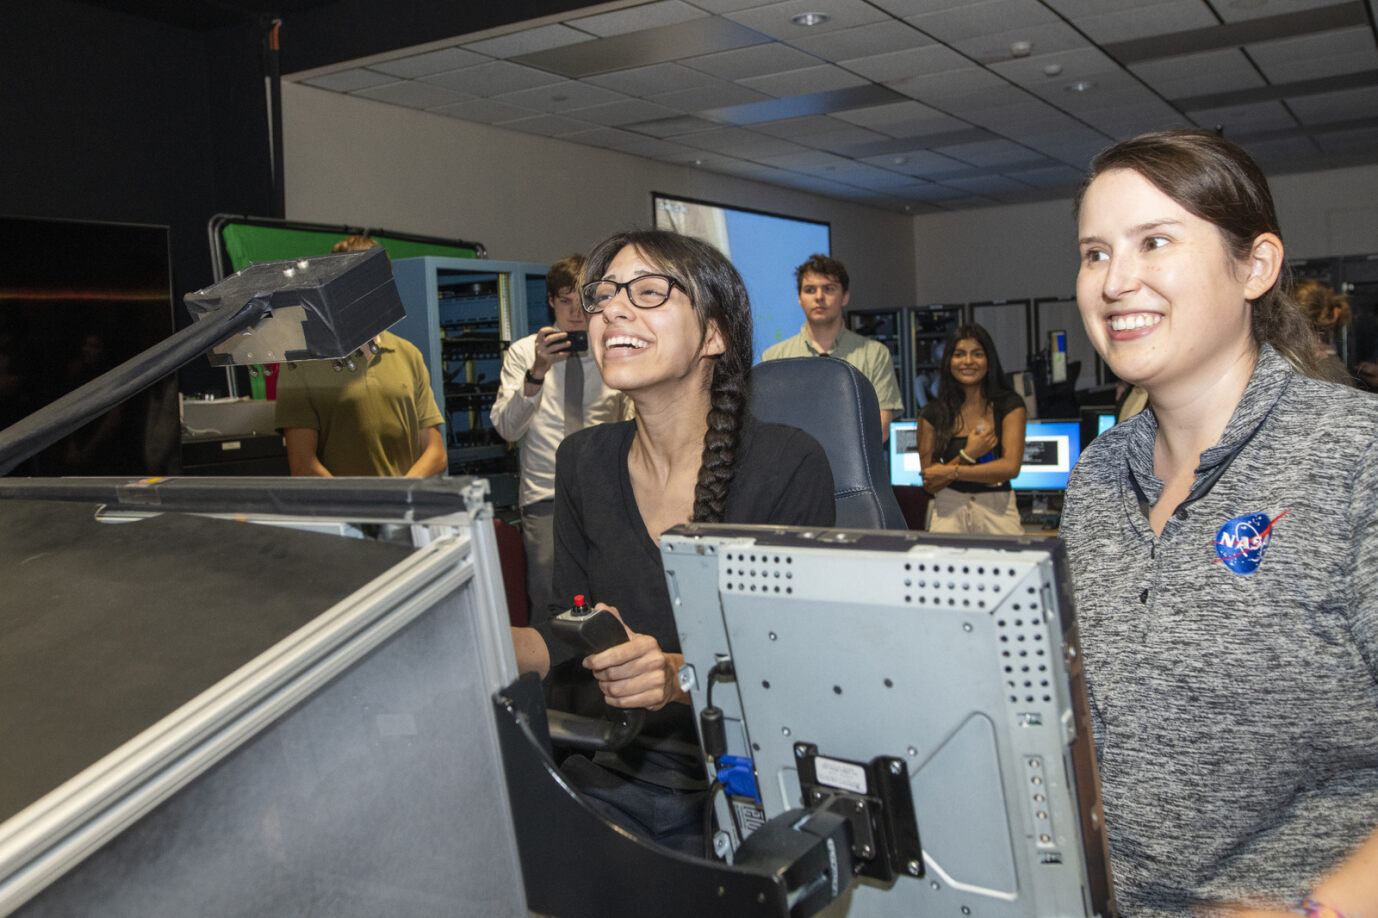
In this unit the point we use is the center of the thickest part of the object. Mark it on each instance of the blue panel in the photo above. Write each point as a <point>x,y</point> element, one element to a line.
<point>766,250</point>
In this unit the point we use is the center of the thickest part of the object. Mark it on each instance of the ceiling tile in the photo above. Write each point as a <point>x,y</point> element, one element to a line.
<point>774,20</point>
<point>1245,119</point>
<point>790,128</point>
<point>608,137</point>
<point>822,78</point>
<point>419,65</point>
<point>1360,139</point>
<point>350,80</point>
<point>1310,57</point>
<point>547,125</point>
<point>492,79</point>
<point>649,146</point>
<point>741,143</point>
<point>1059,176</point>
<point>811,161</point>
<point>902,119</point>
<point>902,65</point>
<point>757,60</point>
<point>703,35</point>
<point>1146,20</point>
<point>995,46</point>
<point>1281,148</point>
<point>985,184</point>
<point>529,41</point>
<point>863,41</point>
<point>560,97</point>
<point>719,94</point>
<point>637,18</point>
<point>624,111</point>
<point>1117,87</point>
<point>713,162</point>
<point>845,136</point>
<point>413,94</point>
<point>1078,9</point>
<point>1071,64</point>
<point>651,80</point>
<point>1125,121</point>
<point>729,6</point>
<point>876,178</point>
<point>983,17</point>
<point>1225,70</point>
<point>484,111</point>
<point>1027,115</point>
<point>988,153</point>
<point>932,88</point>
<point>923,163</point>
<point>1336,106</point>
<point>671,127</point>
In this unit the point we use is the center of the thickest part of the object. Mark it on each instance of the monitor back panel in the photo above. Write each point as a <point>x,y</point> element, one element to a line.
<point>958,657</point>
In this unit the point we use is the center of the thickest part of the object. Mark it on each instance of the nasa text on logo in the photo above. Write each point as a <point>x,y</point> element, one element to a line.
<point>1242,541</point>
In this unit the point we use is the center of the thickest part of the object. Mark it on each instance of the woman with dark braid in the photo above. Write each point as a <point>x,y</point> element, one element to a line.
<point>670,325</point>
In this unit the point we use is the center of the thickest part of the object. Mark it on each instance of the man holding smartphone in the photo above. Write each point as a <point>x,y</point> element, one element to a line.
<point>550,388</point>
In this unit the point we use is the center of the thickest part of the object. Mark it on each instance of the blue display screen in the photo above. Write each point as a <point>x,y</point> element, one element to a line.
<point>765,248</point>
<point>1051,448</point>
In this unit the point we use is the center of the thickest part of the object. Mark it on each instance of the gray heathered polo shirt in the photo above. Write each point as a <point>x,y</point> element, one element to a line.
<point>1232,661</point>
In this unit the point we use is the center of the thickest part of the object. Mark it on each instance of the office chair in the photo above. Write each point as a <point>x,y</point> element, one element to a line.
<point>834,402</point>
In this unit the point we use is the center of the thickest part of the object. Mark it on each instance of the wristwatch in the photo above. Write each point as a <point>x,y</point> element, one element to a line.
<point>533,380</point>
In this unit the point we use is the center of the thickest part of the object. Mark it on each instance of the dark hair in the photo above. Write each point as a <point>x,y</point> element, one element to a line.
<point>718,295</point>
<point>947,407</point>
<point>1216,180</point>
<point>822,264</point>
<point>565,274</point>
<point>1325,309</point>
<point>356,243</point>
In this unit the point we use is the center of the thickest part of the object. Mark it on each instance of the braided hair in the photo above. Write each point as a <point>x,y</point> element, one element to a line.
<point>718,295</point>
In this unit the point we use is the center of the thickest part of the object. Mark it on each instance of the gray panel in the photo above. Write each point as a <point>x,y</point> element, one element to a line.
<point>775,20</point>
<point>1234,34</point>
<point>819,103</point>
<point>822,78</point>
<point>653,46</point>
<point>529,41</point>
<point>638,18</point>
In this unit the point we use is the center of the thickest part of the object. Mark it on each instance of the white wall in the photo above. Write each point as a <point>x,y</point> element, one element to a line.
<point>529,198</point>
<point>1029,250</point>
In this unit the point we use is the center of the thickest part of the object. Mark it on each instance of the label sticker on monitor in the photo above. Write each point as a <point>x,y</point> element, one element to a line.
<point>843,775</point>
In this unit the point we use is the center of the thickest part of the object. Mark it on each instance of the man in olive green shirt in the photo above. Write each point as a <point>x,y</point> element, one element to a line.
<point>374,416</point>
<point>823,292</point>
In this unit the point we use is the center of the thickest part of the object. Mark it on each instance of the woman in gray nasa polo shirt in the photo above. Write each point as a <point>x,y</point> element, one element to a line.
<point>1224,547</point>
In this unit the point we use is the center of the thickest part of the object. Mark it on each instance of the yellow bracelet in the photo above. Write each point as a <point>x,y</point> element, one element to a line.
<point>963,454</point>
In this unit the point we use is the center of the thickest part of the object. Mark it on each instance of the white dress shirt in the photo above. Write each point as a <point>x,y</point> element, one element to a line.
<point>539,421</point>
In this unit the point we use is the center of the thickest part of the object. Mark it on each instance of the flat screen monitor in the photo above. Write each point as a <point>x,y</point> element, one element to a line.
<point>764,247</point>
<point>1051,448</point>
<point>904,454</point>
<point>78,298</point>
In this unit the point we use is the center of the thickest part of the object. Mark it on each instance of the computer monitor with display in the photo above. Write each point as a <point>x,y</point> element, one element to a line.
<point>904,454</point>
<point>1051,448</point>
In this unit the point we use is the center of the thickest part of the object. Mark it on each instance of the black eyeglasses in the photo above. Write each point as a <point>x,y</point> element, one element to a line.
<point>645,292</point>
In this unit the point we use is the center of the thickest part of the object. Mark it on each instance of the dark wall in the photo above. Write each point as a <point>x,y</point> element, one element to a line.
<point>111,117</point>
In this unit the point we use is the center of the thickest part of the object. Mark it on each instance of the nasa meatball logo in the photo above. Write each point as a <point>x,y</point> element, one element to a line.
<point>1242,542</point>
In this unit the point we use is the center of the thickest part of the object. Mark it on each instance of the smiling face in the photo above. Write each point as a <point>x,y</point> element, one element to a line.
<point>822,298</point>
<point>641,349</point>
<point>969,363</point>
<point>1162,299</point>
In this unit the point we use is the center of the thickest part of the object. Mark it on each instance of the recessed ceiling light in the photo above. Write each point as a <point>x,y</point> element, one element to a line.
<point>1052,70</point>
<point>900,160</point>
<point>1021,48</point>
<point>810,19</point>
<point>1080,86</point>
